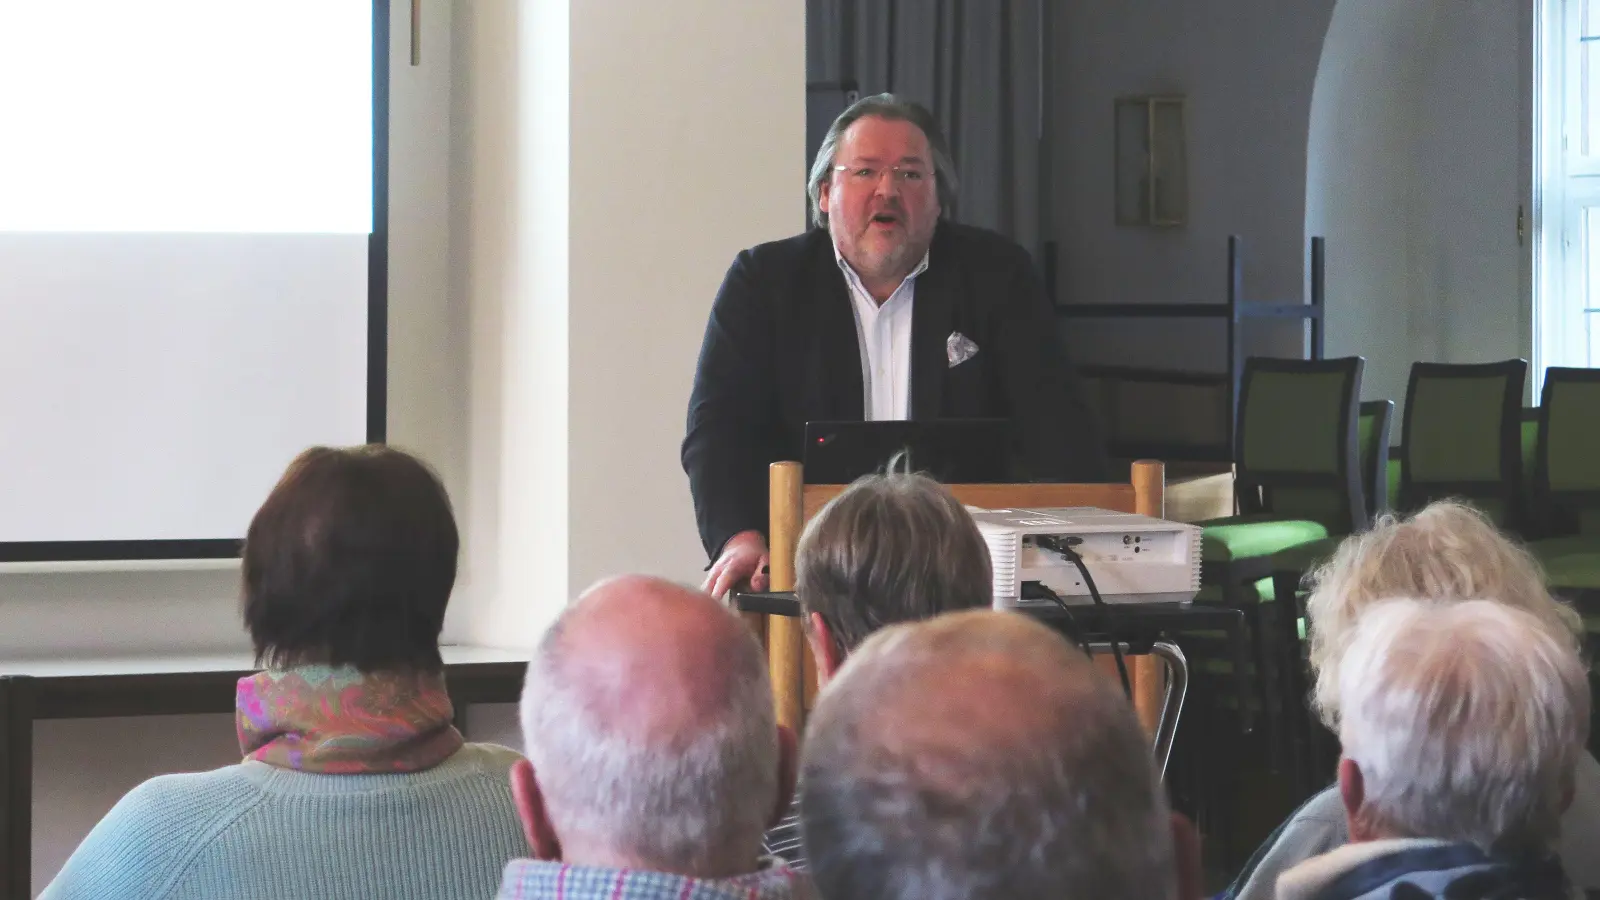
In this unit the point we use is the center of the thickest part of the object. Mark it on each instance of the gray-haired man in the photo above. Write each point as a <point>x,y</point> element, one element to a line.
<point>1461,725</point>
<point>654,760</point>
<point>884,310</point>
<point>980,756</point>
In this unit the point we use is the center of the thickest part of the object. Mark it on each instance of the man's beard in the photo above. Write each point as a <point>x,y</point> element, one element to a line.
<point>886,259</point>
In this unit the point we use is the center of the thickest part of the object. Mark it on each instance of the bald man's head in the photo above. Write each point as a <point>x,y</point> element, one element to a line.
<point>652,657</point>
<point>979,755</point>
<point>649,727</point>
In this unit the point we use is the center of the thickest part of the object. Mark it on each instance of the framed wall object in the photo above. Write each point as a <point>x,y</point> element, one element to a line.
<point>1152,183</point>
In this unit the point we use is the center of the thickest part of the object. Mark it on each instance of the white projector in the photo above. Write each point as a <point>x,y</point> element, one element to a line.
<point>1132,558</point>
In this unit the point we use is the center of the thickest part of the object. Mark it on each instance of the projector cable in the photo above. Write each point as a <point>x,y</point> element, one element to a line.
<point>1038,590</point>
<point>1064,547</point>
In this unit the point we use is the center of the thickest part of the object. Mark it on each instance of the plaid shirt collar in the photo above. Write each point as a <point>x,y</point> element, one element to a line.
<point>532,879</point>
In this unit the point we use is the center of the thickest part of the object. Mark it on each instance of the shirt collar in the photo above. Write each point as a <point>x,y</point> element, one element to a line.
<point>854,280</point>
<point>532,879</point>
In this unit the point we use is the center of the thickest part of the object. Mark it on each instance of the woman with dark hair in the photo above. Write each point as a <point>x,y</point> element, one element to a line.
<point>355,782</point>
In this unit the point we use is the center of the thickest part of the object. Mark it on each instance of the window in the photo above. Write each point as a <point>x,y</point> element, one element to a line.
<point>1566,310</point>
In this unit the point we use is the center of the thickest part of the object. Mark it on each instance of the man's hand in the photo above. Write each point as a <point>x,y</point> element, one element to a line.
<point>744,557</point>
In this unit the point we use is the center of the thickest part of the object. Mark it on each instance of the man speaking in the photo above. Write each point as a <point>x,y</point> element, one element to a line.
<point>883,311</point>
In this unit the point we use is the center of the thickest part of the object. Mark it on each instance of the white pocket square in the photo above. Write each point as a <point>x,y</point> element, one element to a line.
<point>959,348</point>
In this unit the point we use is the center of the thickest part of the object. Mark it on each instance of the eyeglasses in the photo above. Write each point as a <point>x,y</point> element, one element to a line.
<point>871,174</point>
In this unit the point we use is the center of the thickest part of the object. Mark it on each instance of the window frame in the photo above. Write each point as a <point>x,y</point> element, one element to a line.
<point>1566,202</point>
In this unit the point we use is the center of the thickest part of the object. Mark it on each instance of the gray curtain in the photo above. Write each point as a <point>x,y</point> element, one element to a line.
<point>980,65</point>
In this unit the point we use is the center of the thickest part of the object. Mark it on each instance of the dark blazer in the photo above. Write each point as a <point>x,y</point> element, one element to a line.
<point>781,349</point>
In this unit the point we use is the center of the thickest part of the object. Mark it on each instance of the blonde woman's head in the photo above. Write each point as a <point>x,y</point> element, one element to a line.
<point>1447,551</point>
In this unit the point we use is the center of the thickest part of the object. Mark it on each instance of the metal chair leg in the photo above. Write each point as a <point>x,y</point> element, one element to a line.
<point>1177,688</point>
<point>1172,702</point>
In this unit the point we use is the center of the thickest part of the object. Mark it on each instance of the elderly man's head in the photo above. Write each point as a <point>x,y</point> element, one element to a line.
<point>977,756</point>
<point>650,735</point>
<point>1460,721</point>
<point>1447,551</point>
<point>891,548</point>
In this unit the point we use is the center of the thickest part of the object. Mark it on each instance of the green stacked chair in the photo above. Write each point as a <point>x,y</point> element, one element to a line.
<point>1530,439</point>
<point>1462,435</point>
<point>1373,436</point>
<point>1372,446</point>
<point>1289,569</point>
<point>1566,469</point>
<point>1297,481</point>
<point>1565,499</point>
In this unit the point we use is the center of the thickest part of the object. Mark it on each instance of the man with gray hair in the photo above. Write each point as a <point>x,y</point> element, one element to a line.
<point>885,309</point>
<point>980,756</point>
<point>653,757</point>
<point>1461,726</point>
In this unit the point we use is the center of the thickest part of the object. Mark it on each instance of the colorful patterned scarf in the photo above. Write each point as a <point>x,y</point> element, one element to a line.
<point>337,721</point>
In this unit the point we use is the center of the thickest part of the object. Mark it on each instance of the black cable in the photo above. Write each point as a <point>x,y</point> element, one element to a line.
<point>1063,546</point>
<point>1038,590</point>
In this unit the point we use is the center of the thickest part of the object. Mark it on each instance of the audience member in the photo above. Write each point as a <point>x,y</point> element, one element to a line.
<point>1461,724</point>
<point>654,757</point>
<point>980,756</point>
<point>892,548</point>
<point>1445,552</point>
<point>354,782</point>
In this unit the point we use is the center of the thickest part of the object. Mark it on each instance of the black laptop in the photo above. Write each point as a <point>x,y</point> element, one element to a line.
<point>954,451</point>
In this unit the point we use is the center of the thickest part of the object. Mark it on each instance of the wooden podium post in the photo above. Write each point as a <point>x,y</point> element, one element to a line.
<point>1148,675</point>
<point>785,640</point>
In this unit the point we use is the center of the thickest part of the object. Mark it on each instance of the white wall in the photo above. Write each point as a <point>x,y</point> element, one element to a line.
<point>656,141</point>
<point>688,139</point>
<point>1471,300</point>
<point>1360,188</point>
<point>1403,141</point>
<point>543,333</point>
<point>1416,150</point>
<point>1246,67</point>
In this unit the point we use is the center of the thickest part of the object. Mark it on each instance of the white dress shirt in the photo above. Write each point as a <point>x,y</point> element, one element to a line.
<point>883,333</point>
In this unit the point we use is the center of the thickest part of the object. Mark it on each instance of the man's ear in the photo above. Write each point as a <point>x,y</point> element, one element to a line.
<point>1353,794</point>
<point>529,800</point>
<point>1186,857</point>
<point>824,193</point>
<point>823,650</point>
<point>788,772</point>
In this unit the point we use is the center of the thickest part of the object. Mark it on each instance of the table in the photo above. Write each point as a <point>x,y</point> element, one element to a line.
<point>1137,625</point>
<point>159,686</point>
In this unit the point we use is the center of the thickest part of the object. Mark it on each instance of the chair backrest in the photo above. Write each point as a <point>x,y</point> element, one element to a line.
<point>1296,446</point>
<point>1161,414</point>
<point>1463,436</point>
<point>792,503</point>
<point>1566,466</point>
<point>1372,439</point>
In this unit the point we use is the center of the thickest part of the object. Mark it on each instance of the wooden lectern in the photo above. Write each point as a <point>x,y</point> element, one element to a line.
<point>793,503</point>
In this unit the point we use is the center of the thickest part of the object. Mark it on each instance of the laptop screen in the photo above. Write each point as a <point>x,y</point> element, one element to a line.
<point>954,451</point>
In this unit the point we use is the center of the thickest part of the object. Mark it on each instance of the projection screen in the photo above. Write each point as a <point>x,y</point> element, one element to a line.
<point>192,263</point>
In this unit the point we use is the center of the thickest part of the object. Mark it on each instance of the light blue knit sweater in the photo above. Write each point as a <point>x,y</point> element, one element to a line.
<point>253,832</point>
